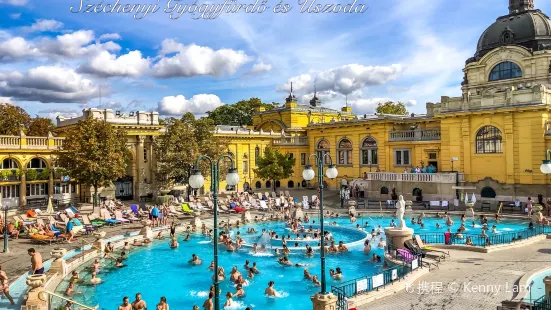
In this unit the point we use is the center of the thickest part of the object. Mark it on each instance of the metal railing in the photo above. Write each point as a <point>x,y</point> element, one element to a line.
<point>415,135</point>
<point>369,283</point>
<point>542,303</point>
<point>484,241</point>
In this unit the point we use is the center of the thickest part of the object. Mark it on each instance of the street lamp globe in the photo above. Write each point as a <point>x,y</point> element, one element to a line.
<point>308,173</point>
<point>232,178</point>
<point>332,172</point>
<point>546,167</point>
<point>196,180</point>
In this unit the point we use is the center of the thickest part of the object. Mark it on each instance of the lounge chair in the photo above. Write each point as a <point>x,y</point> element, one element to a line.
<point>120,217</point>
<point>186,209</point>
<point>281,195</point>
<point>287,194</point>
<point>407,256</point>
<point>274,195</point>
<point>108,218</point>
<point>263,205</point>
<point>422,245</point>
<point>88,226</point>
<point>173,210</point>
<point>43,239</point>
<point>259,196</point>
<point>415,249</point>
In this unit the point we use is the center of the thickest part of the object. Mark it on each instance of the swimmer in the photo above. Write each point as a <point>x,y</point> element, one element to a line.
<point>187,237</point>
<point>338,274</point>
<point>246,266</point>
<point>94,279</point>
<point>367,247</point>
<point>250,273</point>
<point>137,243</point>
<point>307,274</point>
<point>494,229</point>
<point>285,261</point>
<point>127,246</point>
<point>270,291</point>
<point>316,281</point>
<point>69,291</point>
<point>469,241</point>
<point>207,305</point>
<point>160,235</point>
<point>146,241</point>
<point>125,304</point>
<point>239,292</point>
<point>123,255</point>
<point>255,270</point>
<point>211,266</point>
<point>342,247</point>
<point>75,277</point>
<point>437,225</point>
<point>234,274</point>
<point>173,243</point>
<point>195,260</point>
<point>229,301</point>
<point>119,263</point>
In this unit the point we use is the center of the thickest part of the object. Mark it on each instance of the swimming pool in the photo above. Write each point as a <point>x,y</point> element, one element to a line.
<point>538,288</point>
<point>156,270</point>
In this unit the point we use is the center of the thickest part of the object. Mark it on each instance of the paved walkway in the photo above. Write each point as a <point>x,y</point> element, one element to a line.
<point>454,285</point>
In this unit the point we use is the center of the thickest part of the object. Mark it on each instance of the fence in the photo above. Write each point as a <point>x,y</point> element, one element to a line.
<point>542,303</point>
<point>366,284</point>
<point>484,241</point>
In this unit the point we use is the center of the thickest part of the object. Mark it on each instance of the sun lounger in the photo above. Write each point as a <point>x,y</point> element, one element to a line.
<point>108,218</point>
<point>263,205</point>
<point>274,195</point>
<point>173,210</point>
<point>406,255</point>
<point>119,217</point>
<point>422,245</point>
<point>435,204</point>
<point>186,209</point>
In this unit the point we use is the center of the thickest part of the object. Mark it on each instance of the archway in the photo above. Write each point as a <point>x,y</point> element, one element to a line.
<point>303,183</point>
<point>258,184</point>
<point>416,191</point>
<point>246,186</point>
<point>268,184</point>
<point>488,192</point>
<point>384,190</point>
<point>278,184</point>
<point>290,184</point>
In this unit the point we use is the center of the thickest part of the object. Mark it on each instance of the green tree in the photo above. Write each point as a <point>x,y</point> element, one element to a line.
<point>40,126</point>
<point>274,166</point>
<point>182,142</point>
<point>13,119</point>
<point>389,107</point>
<point>238,114</point>
<point>94,153</point>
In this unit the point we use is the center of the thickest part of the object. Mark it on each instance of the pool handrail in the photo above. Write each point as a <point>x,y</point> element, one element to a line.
<point>72,301</point>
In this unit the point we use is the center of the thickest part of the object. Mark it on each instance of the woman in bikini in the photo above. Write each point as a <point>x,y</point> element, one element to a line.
<point>5,285</point>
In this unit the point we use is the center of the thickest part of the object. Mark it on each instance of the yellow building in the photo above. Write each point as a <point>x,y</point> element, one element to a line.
<point>493,137</point>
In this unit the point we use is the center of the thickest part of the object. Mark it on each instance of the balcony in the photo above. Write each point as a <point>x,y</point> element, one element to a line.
<point>9,175</point>
<point>33,143</point>
<point>300,141</point>
<point>444,178</point>
<point>415,135</point>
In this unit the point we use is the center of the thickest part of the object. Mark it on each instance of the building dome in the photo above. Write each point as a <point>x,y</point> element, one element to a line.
<point>523,26</point>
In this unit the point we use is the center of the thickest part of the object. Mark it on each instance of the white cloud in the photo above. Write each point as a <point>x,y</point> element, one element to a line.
<point>14,2</point>
<point>198,104</point>
<point>260,67</point>
<point>15,15</point>
<point>410,103</point>
<point>109,36</point>
<point>193,60</point>
<point>366,106</point>
<point>107,64</point>
<point>344,79</point>
<point>47,84</point>
<point>43,25</point>
<point>5,100</point>
<point>75,44</point>
<point>16,48</point>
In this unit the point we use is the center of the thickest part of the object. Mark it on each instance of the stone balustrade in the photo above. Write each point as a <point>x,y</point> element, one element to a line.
<point>291,141</point>
<point>415,135</point>
<point>448,178</point>
<point>27,142</point>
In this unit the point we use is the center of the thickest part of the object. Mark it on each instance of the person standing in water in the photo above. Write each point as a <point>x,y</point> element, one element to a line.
<point>207,305</point>
<point>125,304</point>
<point>270,291</point>
<point>139,304</point>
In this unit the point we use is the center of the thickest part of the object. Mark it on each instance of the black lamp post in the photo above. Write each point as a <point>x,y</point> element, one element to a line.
<point>308,174</point>
<point>197,181</point>
<point>6,208</point>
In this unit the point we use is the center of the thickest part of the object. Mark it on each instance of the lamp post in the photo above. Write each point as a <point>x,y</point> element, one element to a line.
<point>308,174</point>
<point>6,208</point>
<point>197,181</point>
<point>545,167</point>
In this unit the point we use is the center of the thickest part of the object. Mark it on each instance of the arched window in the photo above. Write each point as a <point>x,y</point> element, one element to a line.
<point>258,184</point>
<point>290,184</point>
<point>416,191</point>
<point>278,184</point>
<point>384,190</point>
<point>268,184</point>
<point>344,150</point>
<point>489,140</point>
<point>246,186</point>
<point>488,192</point>
<point>37,163</point>
<point>322,148</point>
<point>504,71</point>
<point>9,163</point>
<point>304,183</point>
<point>369,151</point>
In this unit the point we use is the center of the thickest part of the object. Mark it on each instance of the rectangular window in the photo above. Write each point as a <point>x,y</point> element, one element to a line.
<point>73,188</point>
<point>303,159</point>
<point>245,167</point>
<point>432,155</point>
<point>10,191</point>
<point>402,157</point>
<point>145,154</point>
<point>36,189</point>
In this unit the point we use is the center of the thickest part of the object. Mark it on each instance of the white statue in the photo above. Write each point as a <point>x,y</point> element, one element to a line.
<point>400,210</point>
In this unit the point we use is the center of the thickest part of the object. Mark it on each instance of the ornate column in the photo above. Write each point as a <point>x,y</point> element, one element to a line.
<point>37,298</point>
<point>51,184</point>
<point>139,158</point>
<point>23,188</point>
<point>324,302</point>
<point>59,265</point>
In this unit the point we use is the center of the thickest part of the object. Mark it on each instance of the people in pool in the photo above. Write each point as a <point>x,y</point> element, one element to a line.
<point>195,260</point>
<point>270,291</point>
<point>239,291</point>
<point>174,243</point>
<point>95,280</point>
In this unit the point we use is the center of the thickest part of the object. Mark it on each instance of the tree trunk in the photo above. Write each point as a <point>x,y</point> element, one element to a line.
<point>95,199</point>
<point>274,185</point>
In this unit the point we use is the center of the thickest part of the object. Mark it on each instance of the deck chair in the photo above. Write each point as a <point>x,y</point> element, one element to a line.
<point>281,195</point>
<point>287,194</point>
<point>108,218</point>
<point>88,227</point>
<point>274,195</point>
<point>426,262</point>
<point>422,245</point>
<point>434,204</point>
<point>415,249</point>
<point>259,196</point>
<point>119,217</point>
<point>64,218</point>
<point>186,209</point>
<point>407,256</point>
<point>263,205</point>
<point>173,210</point>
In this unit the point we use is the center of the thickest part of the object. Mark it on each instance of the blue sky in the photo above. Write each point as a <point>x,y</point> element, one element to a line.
<point>56,62</point>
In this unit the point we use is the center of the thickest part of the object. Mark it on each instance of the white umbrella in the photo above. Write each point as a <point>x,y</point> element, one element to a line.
<point>50,209</point>
<point>473,198</point>
<point>466,197</point>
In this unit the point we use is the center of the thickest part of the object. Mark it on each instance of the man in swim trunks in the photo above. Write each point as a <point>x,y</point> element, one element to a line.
<point>125,304</point>
<point>138,304</point>
<point>5,286</point>
<point>207,305</point>
<point>36,261</point>
<point>270,291</point>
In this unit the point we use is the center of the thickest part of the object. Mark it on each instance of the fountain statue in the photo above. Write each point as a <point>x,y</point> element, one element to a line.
<point>400,211</point>
<point>398,235</point>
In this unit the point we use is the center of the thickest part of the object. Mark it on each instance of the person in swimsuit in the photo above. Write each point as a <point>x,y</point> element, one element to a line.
<point>207,305</point>
<point>162,305</point>
<point>5,286</point>
<point>240,292</point>
<point>229,301</point>
<point>109,248</point>
<point>36,261</point>
<point>270,291</point>
<point>173,243</point>
<point>172,230</point>
<point>119,263</point>
<point>125,304</point>
<point>138,304</point>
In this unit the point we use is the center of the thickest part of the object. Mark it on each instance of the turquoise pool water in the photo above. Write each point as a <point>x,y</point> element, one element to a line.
<point>156,270</point>
<point>538,288</point>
